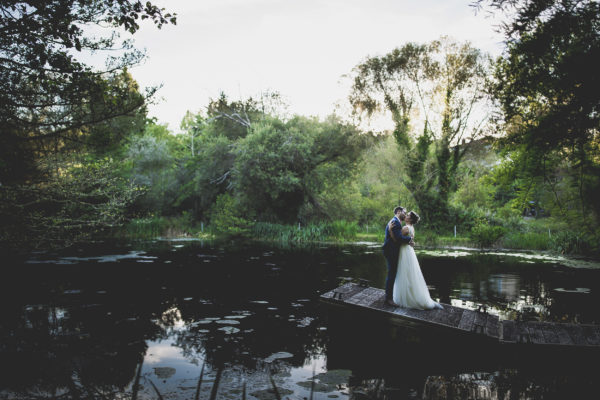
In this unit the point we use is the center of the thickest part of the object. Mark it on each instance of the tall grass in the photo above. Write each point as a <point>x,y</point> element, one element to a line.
<point>338,230</point>
<point>153,227</point>
<point>526,241</point>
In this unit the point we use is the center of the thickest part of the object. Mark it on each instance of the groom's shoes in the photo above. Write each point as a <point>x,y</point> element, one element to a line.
<point>390,302</point>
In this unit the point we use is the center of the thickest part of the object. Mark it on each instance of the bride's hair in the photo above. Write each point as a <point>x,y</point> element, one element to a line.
<point>414,217</point>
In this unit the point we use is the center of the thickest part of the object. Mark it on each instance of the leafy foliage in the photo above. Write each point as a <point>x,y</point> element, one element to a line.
<point>549,95</point>
<point>486,235</point>
<point>76,204</point>
<point>280,166</point>
<point>49,99</point>
<point>226,217</point>
<point>424,77</point>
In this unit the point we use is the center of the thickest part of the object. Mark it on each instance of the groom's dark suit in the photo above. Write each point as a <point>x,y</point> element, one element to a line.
<point>391,251</point>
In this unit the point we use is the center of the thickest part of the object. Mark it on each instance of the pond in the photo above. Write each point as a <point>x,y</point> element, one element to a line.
<point>199,320</point>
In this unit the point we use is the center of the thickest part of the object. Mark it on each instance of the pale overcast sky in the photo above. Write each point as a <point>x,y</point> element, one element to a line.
<point>299,48</point>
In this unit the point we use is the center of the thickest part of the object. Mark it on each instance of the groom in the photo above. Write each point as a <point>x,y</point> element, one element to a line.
<point>391,250</point>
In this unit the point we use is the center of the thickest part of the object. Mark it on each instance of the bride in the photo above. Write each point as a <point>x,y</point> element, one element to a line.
<point>410,289</point>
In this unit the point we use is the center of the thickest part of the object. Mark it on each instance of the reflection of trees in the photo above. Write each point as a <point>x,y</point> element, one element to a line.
<point>45,353</point>
<point>260,335</point>
<point>72,345</point>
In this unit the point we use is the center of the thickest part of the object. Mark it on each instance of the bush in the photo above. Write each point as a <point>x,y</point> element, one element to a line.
<point>486,235</point>
<point>225,218</point>
<point>569,242</point>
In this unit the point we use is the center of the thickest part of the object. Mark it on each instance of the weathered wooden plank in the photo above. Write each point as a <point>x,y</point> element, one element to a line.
<point>355,295</point>
<point>359,300</point>
<point>491,326</point>
<point>373,294</point>
<point>466,321</point>
<point>356,299</point>
<point>380,304</point>
<point>348,290</point>
<point>454,316</point>
<point>401,311</point>
<point>508,332</point>
<point>550,336</point>
<point>563,335</point>
<point>479,322</point>
<point>345,286</point>
<point>523,333</point>
<point>535,332</point>
<point>591,334</point>
<point>423,315</point>
<point>368,299</point>
<point>576,334</point>
<point>438,316</point>
<point>447,316</point>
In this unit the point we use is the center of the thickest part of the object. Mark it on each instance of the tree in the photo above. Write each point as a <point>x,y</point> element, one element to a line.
<point>443,81</point>
<point>77,205</point>
<point>549,92</point>
<point>206,170</point>
<point>281,168</point>
<point>47,96</point>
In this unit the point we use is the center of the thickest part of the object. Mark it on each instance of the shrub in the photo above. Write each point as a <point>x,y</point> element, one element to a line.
<point>486,235</point>
<point>569,242</point>
<point>225,218</point>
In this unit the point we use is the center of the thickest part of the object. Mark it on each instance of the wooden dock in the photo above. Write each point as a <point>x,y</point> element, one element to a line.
<point>469,324</point>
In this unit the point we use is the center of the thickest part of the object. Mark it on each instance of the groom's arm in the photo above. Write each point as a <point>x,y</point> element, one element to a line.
<point>396,231</point>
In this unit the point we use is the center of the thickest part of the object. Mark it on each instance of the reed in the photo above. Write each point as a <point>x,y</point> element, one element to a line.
<point>338,230</point>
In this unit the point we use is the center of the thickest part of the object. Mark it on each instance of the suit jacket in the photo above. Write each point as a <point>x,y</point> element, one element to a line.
<point>391,246</point>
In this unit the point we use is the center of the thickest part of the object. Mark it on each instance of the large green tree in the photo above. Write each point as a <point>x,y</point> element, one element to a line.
<point>48,96</point>
<point>548,88</point>
<point>282,169</point>
<point>435,96</point>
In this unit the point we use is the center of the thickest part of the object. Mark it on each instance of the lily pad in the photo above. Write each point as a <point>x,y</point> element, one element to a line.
<point>279,355</point>
<point>334,376</point>
<point>319,387</point>
<point>227,322</point>
<point>269,394</point>
<point>576,290</point>
<point>164,372</point>
<point>229,330</point>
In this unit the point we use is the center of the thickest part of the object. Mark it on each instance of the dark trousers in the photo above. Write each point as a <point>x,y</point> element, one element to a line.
<point>391,257</point>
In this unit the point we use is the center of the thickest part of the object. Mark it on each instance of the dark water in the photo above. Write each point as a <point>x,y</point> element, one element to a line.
<point>147,320</point>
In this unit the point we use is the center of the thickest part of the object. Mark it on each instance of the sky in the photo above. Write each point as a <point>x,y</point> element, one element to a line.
<point>299,48</point>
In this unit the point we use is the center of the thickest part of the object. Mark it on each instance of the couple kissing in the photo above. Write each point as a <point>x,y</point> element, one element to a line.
<point>405,285</point>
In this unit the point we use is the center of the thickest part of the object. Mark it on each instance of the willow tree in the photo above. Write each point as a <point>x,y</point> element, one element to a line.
<point>434,94</point>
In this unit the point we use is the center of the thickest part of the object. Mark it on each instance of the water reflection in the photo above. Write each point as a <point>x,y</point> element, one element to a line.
<point>113,327</point>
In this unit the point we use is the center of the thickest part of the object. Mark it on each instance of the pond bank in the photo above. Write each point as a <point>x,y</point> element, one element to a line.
<point>529,256</point>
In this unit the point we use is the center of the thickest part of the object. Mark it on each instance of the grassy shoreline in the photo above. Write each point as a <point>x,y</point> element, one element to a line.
<point>532,235</point>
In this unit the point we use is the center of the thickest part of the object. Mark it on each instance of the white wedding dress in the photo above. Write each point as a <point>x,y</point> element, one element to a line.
<point>410,289</point>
